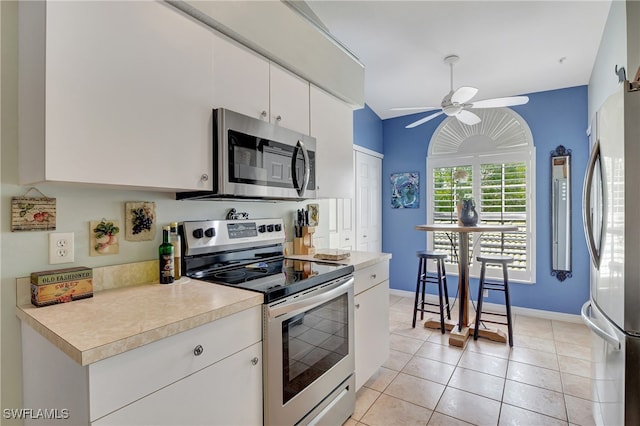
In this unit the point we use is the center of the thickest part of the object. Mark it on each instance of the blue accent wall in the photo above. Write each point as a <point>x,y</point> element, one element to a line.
<point>367,129</point>
<point>557,117</point>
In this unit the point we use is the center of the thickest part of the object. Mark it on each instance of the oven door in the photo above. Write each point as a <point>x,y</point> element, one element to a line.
<point>308,349</point>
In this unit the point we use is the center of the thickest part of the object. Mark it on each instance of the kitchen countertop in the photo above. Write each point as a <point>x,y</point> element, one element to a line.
<point>118,320</point>
<point>358,259</point>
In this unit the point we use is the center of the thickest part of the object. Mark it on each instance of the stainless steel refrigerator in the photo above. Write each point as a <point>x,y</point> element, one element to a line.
<point>611,213</point>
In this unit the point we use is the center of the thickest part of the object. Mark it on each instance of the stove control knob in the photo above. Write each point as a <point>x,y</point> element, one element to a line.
<point>269,228</point>
<point>262,228</point>
<point>278,227</point>
<point>197,233</point>
<point>210,232</point>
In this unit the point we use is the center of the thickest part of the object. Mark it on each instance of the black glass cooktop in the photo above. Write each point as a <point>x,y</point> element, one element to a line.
<point>276,278</point>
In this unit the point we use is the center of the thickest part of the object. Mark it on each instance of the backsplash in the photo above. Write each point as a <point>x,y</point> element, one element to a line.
<point>104,278</point>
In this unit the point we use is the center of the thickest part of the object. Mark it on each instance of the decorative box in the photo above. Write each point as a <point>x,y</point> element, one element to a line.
<point>61,285</point>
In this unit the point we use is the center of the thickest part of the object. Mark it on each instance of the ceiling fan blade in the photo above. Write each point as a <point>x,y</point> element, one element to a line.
<point>501,102</point>
<point>463,94</point>
<point>423,108</point>
<point>467,117</point>
<point>424,120</point>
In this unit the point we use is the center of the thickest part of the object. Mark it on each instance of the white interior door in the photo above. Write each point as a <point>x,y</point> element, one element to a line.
<point>368,202</point>
<point>341,230</point>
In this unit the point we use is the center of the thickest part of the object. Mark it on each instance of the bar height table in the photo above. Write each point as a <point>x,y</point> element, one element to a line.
<point>460,331</point>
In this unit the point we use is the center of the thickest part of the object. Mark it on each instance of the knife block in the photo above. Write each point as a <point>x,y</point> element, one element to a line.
<point>304,244</point>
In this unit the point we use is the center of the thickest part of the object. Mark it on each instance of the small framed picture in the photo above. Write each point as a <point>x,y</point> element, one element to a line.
<point>314,214</point>
<point>140,221</point>
<point>405,190</point>
<point>104,238</point>
<point>33,213</point>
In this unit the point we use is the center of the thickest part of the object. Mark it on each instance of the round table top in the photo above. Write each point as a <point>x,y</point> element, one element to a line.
<point>452,227</point>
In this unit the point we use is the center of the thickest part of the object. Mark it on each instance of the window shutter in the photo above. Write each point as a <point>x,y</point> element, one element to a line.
<point>503,201</point>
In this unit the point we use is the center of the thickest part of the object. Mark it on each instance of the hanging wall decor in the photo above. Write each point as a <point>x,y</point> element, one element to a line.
<point>405,190</point>
<point>314,214</point>
<point>104,238</point>
<point>33,213</point>
<point>140,221</point>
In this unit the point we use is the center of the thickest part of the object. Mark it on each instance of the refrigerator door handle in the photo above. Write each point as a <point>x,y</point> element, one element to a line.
<point>611,338</point>
<point>587,219</point>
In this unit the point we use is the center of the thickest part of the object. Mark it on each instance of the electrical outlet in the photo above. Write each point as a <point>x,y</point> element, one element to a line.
<point>61,248</point>
<point>485,293</point>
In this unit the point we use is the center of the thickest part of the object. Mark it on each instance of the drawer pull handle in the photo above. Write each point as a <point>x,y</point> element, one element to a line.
<point>263,114</point>
<point>373,276</point>
<point>204,177</point>
<point>254,360</point>
<point>197,351</point>
<point>279,118</point>
<point>357,306</point>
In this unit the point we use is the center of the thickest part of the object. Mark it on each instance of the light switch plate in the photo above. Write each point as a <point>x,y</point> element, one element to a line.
<point>61,247</point>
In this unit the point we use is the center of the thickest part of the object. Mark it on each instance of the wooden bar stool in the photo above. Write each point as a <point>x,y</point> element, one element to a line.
<point>502,261</point>
<point>424,278</point>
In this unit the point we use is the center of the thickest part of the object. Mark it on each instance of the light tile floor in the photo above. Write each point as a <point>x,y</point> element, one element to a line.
<point>543,380</point>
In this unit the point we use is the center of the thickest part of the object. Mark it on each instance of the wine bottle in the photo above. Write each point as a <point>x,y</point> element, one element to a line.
<point>174,238</point>
<point>165,259</point>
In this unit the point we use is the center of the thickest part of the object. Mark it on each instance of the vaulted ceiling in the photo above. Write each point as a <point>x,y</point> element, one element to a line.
<point>506,48</point>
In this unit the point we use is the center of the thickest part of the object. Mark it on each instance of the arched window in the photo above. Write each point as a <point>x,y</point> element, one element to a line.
<point>493,162</point>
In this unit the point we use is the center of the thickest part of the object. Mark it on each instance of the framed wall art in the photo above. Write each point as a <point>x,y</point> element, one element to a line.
<point>405,190</point>
<point>30,213</point>
<point>140,221</point>
<point>103,235</point>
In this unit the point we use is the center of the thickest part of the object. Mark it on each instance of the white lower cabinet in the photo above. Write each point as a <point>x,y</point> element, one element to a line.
<point>371,320</point>
<point>208,375</point>
<point>228,392</point>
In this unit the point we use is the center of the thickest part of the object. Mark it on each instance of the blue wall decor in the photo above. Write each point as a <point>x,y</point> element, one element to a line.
<point>405,190</point>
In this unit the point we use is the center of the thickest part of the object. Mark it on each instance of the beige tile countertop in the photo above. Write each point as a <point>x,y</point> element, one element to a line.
<point>117,320</point>
<point>358,259</point>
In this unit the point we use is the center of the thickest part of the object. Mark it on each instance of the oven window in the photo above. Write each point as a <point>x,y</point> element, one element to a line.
<point>312,343</point>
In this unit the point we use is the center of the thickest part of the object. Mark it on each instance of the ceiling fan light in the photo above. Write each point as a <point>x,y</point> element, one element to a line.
<point>451,110</point>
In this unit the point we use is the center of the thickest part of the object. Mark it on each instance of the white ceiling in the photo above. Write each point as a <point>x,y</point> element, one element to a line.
<point>506,48</point>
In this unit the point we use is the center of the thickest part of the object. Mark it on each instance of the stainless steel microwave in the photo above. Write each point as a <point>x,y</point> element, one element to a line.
<point>255,159</point>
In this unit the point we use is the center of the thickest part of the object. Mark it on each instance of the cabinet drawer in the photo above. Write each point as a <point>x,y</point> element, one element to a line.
<point>370,276</point>
<point>119,380</point>
<point>233,386</point>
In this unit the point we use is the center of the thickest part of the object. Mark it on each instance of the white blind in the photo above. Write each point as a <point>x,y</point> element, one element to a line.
<point>503,201</point>
<point>450,184</point>
<point>500,194</point>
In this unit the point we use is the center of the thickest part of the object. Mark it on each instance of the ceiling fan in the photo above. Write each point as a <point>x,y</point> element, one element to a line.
<point>456,103</point>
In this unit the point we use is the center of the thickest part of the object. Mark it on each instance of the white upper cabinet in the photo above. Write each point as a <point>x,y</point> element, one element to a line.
<point>289,100</point>
<point>250,84</point>
<point>115,93</point>
<point>332,126</point>
<point>240,79</point>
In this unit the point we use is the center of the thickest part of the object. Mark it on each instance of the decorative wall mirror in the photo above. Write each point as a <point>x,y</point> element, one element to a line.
<point>561,213</point>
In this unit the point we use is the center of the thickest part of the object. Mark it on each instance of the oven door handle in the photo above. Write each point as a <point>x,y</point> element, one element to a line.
<point>310,301</point>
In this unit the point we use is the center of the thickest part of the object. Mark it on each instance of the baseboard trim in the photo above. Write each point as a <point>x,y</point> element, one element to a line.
<point>517,310</point>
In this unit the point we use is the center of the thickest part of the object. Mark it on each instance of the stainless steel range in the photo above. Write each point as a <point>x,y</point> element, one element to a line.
<point>308,315</point>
